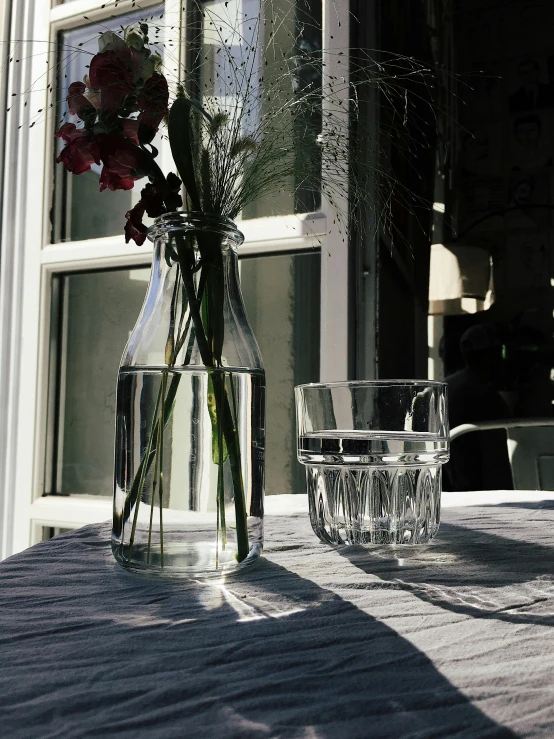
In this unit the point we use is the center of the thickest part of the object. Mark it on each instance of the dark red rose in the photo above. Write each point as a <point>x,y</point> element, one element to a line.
<point>78,103</point>
<point>124,162</point>
<point>81,149</point>
<point>135,228</point>
<point>152,100</point>
<point>110,73</point>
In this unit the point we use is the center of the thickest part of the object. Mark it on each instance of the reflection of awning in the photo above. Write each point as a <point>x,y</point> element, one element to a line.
<point>460,279</point>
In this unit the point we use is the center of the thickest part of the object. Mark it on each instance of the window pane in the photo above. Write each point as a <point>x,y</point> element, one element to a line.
<point>97,312</point>
<point>256,58</point>
<point>81,211</point>
<point>282,296</point>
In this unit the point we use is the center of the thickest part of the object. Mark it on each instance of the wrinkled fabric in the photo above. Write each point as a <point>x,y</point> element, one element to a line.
<point>454,639</point>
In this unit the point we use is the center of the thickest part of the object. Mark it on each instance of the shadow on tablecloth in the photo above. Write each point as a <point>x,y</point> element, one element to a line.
<point>486,562</point>
<point>89,650</point>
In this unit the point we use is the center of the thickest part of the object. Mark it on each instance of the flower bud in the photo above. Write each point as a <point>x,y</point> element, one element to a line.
<point>151,64</point>
<point>110,41</point>
<point>158,61</point>
<point>134,37</point>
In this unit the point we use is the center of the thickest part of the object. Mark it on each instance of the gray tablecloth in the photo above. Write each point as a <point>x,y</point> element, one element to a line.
<point>453,640</point>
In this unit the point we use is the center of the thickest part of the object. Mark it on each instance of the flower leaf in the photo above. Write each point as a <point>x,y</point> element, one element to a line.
<point>180,138</point>
<point>216,297</point>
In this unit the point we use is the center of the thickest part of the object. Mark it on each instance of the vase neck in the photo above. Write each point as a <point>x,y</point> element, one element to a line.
<point>194,312</point>
<point>180,223</point>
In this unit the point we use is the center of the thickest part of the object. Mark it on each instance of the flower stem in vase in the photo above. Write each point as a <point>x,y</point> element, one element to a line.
<point>138,482</point>
<point>133,497</point>
<point>219,455</point>
<point>160,472</point>
<point>211,357</point>
<point>225,428</point>
<point>205,313</point>
<point>157,483</point>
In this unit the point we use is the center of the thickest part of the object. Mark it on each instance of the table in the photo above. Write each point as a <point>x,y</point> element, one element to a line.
<point>455,639</point>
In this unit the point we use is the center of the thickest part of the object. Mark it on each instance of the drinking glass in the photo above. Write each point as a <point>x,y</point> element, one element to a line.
<point>373,452</point>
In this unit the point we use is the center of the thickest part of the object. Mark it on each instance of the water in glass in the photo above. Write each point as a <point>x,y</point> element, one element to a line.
<point>373,487</point>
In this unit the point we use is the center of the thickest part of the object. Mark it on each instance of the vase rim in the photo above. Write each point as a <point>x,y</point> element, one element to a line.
<point>195,220</point>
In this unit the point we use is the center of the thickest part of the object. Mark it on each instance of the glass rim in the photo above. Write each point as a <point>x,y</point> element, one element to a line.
<point>183,220</point>
<point>370,383</point>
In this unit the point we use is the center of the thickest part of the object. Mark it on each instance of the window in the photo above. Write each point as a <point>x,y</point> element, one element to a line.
<point>102,216</point>
<point>58,357</point>
<point>92,314</point>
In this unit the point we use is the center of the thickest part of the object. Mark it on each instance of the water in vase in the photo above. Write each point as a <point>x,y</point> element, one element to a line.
<point>187,498</point>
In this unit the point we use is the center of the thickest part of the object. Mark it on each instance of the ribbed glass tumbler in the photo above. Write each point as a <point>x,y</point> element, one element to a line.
<point>373,452</point>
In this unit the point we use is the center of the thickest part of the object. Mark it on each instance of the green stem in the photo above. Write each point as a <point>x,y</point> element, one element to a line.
<point>149,454</point>
<point>147,459</point>
<point>194,302</point>
<point>220,487</point>
<point>217,530</point>
<point>157,471</point>
<point>223,414</point>
<point>160,471</point>
<point>233,449</point>
<point>223,410</point>
<point>140,484</point>
<point>150,529</point>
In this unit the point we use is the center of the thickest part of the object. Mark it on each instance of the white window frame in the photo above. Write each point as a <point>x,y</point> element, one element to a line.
<point>29,261</point>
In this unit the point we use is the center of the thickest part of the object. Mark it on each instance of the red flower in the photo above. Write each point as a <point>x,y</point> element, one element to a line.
<point>78,103</point>
<point>152,100</point>
<point>130,130</point>
<point>162,196</point>
<point>81,149</point>
<point>172,192</point>
<point>110,72</point>
<point>69,132</point>
<point>123,162</point>
<point>152,200</point>
<point>112,181</point>
<point>135,228</point>
<point>154,95</point>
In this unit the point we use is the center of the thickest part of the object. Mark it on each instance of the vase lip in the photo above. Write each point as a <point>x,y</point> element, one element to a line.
<point>180,220</point>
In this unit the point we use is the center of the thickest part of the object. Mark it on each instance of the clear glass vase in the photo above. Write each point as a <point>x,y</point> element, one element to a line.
<point>190,427</point>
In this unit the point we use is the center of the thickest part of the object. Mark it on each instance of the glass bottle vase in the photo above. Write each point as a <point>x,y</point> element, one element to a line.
<point>190,422</point>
